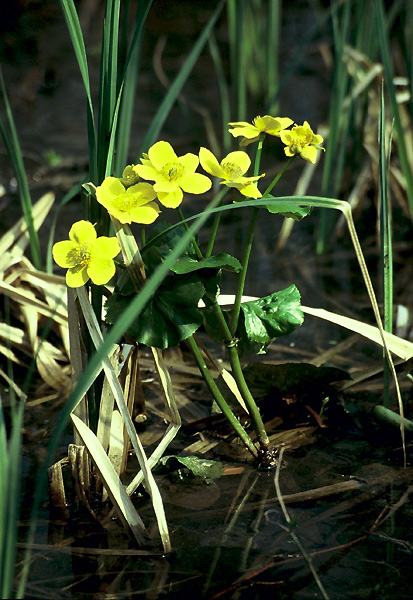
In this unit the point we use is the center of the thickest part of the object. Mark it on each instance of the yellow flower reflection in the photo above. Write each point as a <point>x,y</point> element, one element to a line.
<point>172,174</point>
<point>86,256</point>
<point>252,131</point>
<point>128,205</point>
<point>231,170</point>
<point>301,140</point>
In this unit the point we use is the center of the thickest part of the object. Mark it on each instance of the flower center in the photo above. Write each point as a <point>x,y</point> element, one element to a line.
<point>124,202</point>
<point>232,170</point>
<point>172,171</point>
<point>81,255</point>
<point>301,138</point>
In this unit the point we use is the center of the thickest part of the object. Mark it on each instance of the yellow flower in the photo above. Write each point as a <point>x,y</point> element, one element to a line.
<point>131,205</point>
<point>172,174</point>
<point>252,131</point>
<point>301,140</point>
<point>86,256</point>
<point>231,170</point>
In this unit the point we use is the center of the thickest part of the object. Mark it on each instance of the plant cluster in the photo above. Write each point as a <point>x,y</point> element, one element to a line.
<point>175,312</point>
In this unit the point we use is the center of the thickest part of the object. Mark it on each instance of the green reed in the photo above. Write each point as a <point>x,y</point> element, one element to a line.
<point>386,242</point>
<point>11,142</point>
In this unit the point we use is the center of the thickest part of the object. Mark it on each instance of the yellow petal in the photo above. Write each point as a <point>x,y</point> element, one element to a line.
<point>107,247</point>
<point>82,231</point>
<point>285,137</point>
<point>209,163</point>
<point>147,171</point>
<point>63,253</point>
<point>248,130</point>
<point>239,124</point>
<point>250,190</point>
<point>146,214</point>
<point>273,125</point>
<point>247,142</point>
<point>238,158</point>
<point>160,154</point>
<point>309,153</point>
<point>167,187</point>
<point>101,270</point>
<point>76,277</point>
<point>171,200</point>
<point>110,188</point>
<point>143,191</point>
<point>195,183</point>
<point>189,161</point>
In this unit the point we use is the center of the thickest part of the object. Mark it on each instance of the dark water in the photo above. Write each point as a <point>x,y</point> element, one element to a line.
<point>230,538</point>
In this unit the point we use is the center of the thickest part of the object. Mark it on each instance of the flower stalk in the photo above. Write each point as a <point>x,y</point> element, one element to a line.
<point>218,397</point>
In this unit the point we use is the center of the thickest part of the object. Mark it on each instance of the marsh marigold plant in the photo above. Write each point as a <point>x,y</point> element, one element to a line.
<point>86,256</point>
<point>173,313</point>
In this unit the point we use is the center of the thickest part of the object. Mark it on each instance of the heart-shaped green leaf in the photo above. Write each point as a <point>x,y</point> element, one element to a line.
<point>171,315</point>
<point>268,318</point>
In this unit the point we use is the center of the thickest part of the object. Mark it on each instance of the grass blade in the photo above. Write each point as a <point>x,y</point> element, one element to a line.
<point>11,142</point>
<point>75,32</point>
<point>338,123</point>
<point>391,90</point>
<point>10,498</point>
<point>116,491</point>
<point>129,80</point>
<point>174,90</point>
<point>108,87</point>
<point>385,240</point>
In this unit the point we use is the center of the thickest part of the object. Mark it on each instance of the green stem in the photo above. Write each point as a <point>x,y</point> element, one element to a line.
<point>231,344</point>
<point>249,240</point>
<point>278,176</point>
<point>243,274</point>
<point>215,226</point>
<point>218,397</point>
<point>258,155</point>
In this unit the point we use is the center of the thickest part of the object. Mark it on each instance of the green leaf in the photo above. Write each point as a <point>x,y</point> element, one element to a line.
<point>161,243</point>
<point>169,317</point>
<point>291,211</point>
<point>188,264</point>
<point>200,467</point>
<point>163,240</point>
<point>268,318</point>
